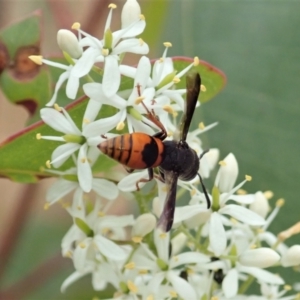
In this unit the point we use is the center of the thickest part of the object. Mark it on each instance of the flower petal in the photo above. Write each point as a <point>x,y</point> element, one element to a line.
<point>84,171</point>
<point>230,283</point>
<point>105,188</point>
<point>111,77</point>
<point>109,249</point>
<point>217,235</point>
<point>242,214</point>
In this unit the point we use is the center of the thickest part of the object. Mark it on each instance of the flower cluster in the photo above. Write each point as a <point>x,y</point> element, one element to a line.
<point>210,252</point>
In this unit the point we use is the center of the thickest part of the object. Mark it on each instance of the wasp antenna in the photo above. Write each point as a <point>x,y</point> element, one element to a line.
<point>202,154</point>
<point>204,191</point>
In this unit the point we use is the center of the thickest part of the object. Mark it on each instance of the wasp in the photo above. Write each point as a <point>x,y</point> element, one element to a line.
<point>174,158</point>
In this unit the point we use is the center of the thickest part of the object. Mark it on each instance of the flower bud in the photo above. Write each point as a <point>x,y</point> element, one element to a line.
<point>260,205</point>
<point>68,42</point>
<point>144,224</point>
<point>131,12</point>
<point>261,258</point>
<point>291,257</point>
<point>227,174</point>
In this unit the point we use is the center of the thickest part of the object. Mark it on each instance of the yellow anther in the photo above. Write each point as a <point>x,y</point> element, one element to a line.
<point>130,266</point>
<point>175,258</point>
<point>176,79</point>
<point>287,287</point>
<point>201,125</point>
<point>193,192</point>
<point>173,294</point>
<point>105,52</point>
<point>280,202</point>
<point>233,221</point>
<point>168,108</point>
<point>76,26</point>
<point>163,235</point>
<point>112,6</point>
<point>42,169</point>
<point>132,287</point>
<point>79,207</point>
<point>83,160</point>
<point>68,254</point>
<point>196,61</point>
<point>65,204</point>
<point>137,239</point>
<point>161,59</point>
<point>167,44</point>
<point>141,41</point>
<point>57,107</point>
<point>268,194</point>
<point>120,126</point>
<point>241,192</point>
<point>138,100</point>
<point>38,59</point>
<point>142,17</point>
<point>38,136</point>
<point>105,230</point>
<point>190,271</point>
<point>222,163</point>
<point>86,121</point>
<point>150,297</point>
<point>248,177</point>
<point>46,206</point>
<point>82,245</point>
<point>143,272</point>
<point>100,213</point>
<point>48,164</point>
<point>203,88</point>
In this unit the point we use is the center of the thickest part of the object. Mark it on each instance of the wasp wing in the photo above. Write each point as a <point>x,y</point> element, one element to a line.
<point>165,221</point>
<point>193,83</point>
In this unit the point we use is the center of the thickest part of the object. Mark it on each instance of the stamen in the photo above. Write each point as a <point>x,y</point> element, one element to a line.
<point>132,287</point>
<point>48,164</point>
<point>287,287</point>
<point>46,206</point>
<point>105,52</point>
<point>241,192</point>
<point>196,61</point>
<point>130,266</point>
<point>38,136</point>
<point>120,126</point>
<point>173,294</point>
<point>176,79</point>
<point>68,254</point>
<point>201,125</point>
<point>57,107</point>
<point>137,239</point>
<point>36,59</point>
<point>141,42</point>
<point>203,88</point>
<point>222,163</point>
<point>280,202</point>
<point>112,6</point>
<point>101,213</point>
<point>142,17</point>
<point>163,235</point>
<point>248,177</point>
<point>268,194</point>
<point>82,245</point>
<point>138,100</point>
<point>161,60</point>
<point>83,160</point>
<point>167,44</point>
<point>76,26</point>
<point>86,121</point>
<point>168,109</point>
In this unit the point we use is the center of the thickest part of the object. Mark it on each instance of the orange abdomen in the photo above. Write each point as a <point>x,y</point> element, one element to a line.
<point>135,150</point>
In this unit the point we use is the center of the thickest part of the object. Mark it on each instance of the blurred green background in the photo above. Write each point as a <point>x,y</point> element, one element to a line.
<point>257,45</point>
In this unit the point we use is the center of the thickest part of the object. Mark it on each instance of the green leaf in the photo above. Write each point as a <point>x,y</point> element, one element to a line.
<point>23,157</point>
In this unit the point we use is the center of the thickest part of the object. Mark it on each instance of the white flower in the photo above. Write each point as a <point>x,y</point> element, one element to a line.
<point>76,141</point>
<point>291,257</point>
<point>108,51</point>
<point>72,81</point>
<point>224,182</point>
<point>165,267</point>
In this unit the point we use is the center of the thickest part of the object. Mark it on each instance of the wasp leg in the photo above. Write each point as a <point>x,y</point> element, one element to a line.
<point>151,175</point>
